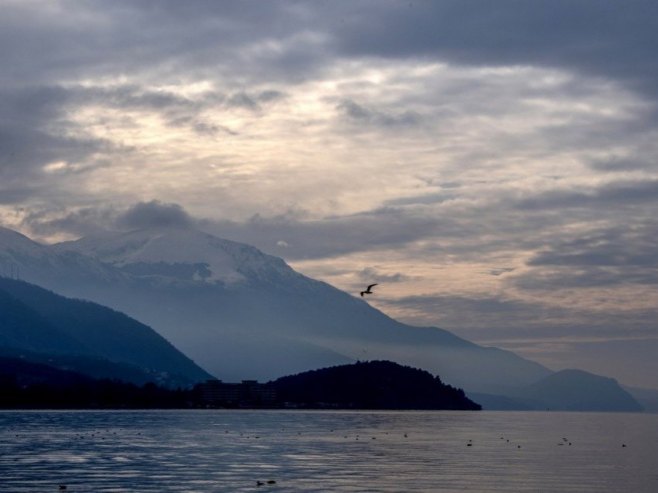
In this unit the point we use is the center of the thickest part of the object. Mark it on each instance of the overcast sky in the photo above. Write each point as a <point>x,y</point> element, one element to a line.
<point>492,165</point>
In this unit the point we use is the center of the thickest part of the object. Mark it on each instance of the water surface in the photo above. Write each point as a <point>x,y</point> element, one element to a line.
<point>313,451</point>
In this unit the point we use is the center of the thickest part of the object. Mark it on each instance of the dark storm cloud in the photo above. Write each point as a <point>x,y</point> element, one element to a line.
<point>419,226</point>
<point>85,221</point>
<point>35,131</point>
<point>82,222</point>
<point>619,255</point>
<point>619,194</point>
<point>296,238</point>
<point>73,39</point>
<point>620,246</point>
<point>615,40</point>
<point>632,163</point>
<point>154,214</point>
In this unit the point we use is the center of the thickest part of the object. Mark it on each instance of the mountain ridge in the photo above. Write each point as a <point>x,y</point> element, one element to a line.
<point>41,324</point>
<point>244,314</point>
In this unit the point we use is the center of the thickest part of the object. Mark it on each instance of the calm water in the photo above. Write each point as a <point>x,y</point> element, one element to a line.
<point>216,451</point>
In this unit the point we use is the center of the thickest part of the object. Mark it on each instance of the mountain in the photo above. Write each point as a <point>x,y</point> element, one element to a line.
<point>577,390</point>
<point>243,314</point>
<point>43,327</point>
<point>29,385</point>
<point>647,398</point>
<point>21,257</point>
<point>370,385</point>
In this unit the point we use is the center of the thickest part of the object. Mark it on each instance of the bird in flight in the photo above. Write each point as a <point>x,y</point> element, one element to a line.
<point>367,291</point>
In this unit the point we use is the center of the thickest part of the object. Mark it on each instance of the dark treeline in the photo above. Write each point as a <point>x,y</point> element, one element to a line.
<point>93,394</point>
<point>29,385</point>
<point>372,385</point>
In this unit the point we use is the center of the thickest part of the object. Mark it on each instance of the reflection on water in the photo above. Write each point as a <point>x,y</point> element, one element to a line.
<point>217,451</point>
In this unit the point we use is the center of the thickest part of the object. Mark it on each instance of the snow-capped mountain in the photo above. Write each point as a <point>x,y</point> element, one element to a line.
<point>180,255</point>
<point>240,313</point>
<point>21,257</point>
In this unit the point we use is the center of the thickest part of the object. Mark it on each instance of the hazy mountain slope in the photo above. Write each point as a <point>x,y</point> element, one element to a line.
<point>244,314</point>
<point>38,321</point>
<point>647,398</point>
<point>94,367</point>
<point>240,313</point>
<point>22,327</point>
<point>577,390</point>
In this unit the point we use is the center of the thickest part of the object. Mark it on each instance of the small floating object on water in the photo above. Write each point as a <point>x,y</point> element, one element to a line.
<point>62,487</point>
<point>623,444</point>
<point>469,444</point>
<point>269,481</point>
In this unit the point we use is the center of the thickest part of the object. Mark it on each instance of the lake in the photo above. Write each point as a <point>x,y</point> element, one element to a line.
<point>324,451</point>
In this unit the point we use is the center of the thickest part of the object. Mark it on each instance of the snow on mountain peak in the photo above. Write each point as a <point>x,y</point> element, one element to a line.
<point>10,239</point>
<point>180,253</point>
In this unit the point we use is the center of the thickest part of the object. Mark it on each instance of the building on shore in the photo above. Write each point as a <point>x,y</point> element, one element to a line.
<point>248,393</point>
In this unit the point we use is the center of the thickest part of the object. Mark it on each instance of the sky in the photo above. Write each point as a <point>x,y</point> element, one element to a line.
<point>491,165</point>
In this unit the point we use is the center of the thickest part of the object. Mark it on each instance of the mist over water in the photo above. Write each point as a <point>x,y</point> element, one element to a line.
<point>313,451</point>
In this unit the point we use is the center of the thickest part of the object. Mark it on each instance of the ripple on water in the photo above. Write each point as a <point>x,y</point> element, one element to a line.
<point>213,451</point>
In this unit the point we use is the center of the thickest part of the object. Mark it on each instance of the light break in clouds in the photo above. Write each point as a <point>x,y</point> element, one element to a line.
<point>491,164</point>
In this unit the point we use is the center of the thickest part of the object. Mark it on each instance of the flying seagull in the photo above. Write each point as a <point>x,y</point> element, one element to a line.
<point>367,291</point>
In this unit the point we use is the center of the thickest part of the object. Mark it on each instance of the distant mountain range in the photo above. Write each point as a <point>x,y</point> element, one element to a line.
<point>243,314</point>
<point>42,327</point>
<point>566,390</point>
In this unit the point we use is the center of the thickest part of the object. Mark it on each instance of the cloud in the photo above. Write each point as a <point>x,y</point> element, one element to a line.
<point>154,214</point>
<point>618,255</point>
<point>58,223</point>
<point>624,163</point>
<point>488,154</point>
<point>41,149</point>
<point>35,131</point>
<point>488,317</point>
<point>557,33</point>
<point>370,274</point>
<point>330,236</point>
<point>361,115</point>
<point>623,194</point>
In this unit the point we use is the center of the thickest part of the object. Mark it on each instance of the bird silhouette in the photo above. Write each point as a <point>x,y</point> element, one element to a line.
<point>367,291</point>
